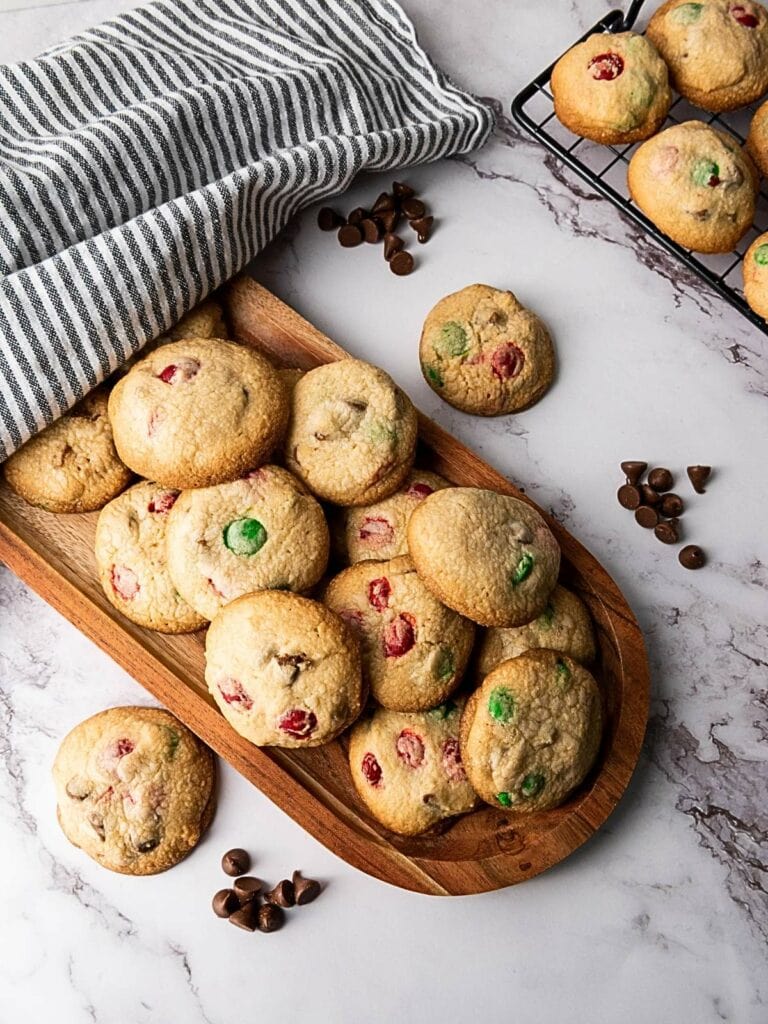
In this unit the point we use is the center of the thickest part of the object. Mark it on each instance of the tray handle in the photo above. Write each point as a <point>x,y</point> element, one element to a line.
<point>632,15</point>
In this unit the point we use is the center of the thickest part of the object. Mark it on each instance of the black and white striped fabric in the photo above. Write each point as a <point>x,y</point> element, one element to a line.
<point>146,161</point>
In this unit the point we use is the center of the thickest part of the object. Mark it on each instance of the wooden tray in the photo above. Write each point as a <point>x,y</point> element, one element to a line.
<point>482,851</point>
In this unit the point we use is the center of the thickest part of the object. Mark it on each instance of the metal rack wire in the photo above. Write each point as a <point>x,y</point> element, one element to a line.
<point>605,168</point>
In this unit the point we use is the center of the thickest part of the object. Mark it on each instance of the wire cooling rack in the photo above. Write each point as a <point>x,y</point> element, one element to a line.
<point>605,168</point>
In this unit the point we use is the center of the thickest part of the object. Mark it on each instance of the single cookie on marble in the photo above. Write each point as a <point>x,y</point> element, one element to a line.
<point>131,557</point>
<point>488,556</point>
<point>757,139</point>
<point>755,270</point>
<point>531,732</point>
<point>379,531</point>
<point>407,769</point>
<point>134,789</point>
<point>264,532</point>
<point>563,626</point>
<point>696,184</point>
<point>486,354</point>
<point>198,412</point>
<point>716,50</point>
<point>414,649</point>
<point>352,435</point>
<point>71,466</point>
<point>613,89</point>
<point>205,320</point>
<point>285,671</point>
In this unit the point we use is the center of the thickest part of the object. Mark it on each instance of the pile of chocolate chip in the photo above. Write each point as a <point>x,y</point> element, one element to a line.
<point>379,224</point>
<point>657,508</point>
<point>242,903</point>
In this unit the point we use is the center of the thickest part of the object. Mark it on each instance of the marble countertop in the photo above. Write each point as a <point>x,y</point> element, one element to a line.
<point>663,915</point>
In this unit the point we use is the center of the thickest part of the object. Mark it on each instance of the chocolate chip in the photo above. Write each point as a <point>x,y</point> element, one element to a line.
<point>357,215</point>
<point>649,495</point>
<point>667,532</point>
<point>633,470</point>
<point>384,203</point>
<point>247,888</point>
<point>246,917</point>
<point>392,244</point>
<point>401,263</point>
<point>698,475</point>
<point>235,862</point>
<point>306,889</point>
<point>225,903</point>
<point>402,191</point>
<point>660,479</point>
<point>692,557</point>
<point>413,208</point>
<point>282,895</point>
<point>647,517</point>
<point>328,219</point>
<point>629,496</point>
<point>147,845</point>
<point>423,227</point>
<point>370,229</point>
<point>350,235</point>
<point>389,220</point>
<point>671,506</point>
<point>270,918</point>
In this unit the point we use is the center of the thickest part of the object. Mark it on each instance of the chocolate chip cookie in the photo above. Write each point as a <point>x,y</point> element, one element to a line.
<point>757,140</point>
<point>755,269</point>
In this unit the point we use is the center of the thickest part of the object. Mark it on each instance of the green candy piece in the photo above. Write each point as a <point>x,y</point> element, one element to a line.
<point>547,616</point>
<point>452,340</point>
<point>504,799</point>
<point>501,704</point>
<point>563,672</point>
<point>761,255</point>
<point>687,14</point>
<point>522,569</point>
<point>433,376</point>
<point>445,710</point>
<point>381,433</point>
<point>445,666</point>
<point>704,171</point>
<point>173,742</point>
<point>244,536</point>
<point>532,785</point>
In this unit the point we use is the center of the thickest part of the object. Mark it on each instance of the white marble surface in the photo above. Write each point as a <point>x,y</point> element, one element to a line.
<point>663,916</point>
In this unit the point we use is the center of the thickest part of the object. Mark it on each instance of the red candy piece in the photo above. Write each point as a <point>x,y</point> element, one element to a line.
<point>399,636</point>
<point>507,361</point>
<point>410,748</point>
<point>371,769</point>
<point>417,490</point>
<point>123,747</point>
<point>233,693</point>
<point>298,723</point>
<point>376,530</point>
<point>744,17</point>
<point>125,582</point>
<point>163,503</point>
<point>179,373</point>
<point>606,66</point>
<point>451,760</point>
<point>378,593</point>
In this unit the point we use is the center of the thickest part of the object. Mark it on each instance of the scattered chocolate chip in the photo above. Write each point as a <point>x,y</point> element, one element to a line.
<point>647,517</point>
<point>423,227</point>
<point>692,557</point>
<point>633,471</point>
<point>413,208</point>
<point>350,235</point>
<point>370,229</point>
<point>671,506</point>
<point>246,917</point>
<point>225,903</point>
<point>282,895</point>
<point>402,191</point>
<point>235,862</point>
<point>328,219</point>
<point>698,475</point>
<point>649,495</point>
<point>357,215</point>
<point>401,263</point>
<point>270,918</point>
<point>246,888</point>
<point>667,532</point>
<point>389,220</point>
<point>392,244</point>
<point>306,889</point>
<point>629,496</point>
<point>384,203</point>
<point>660,479</point>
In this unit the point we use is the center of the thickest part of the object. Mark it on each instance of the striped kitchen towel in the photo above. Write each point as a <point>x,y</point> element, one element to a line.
<point>146,161</point>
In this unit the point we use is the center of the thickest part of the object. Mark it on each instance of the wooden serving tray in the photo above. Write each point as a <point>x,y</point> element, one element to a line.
<point>482,851</point>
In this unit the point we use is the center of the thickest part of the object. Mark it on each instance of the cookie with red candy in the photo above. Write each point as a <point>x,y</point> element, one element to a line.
<point>484,353</point>
<point>285,671</point>
<point>134,789</point>
<point>414,649</point>
<point>407,768</point>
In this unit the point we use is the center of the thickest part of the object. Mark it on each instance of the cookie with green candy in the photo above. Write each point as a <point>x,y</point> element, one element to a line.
<point>414,649</point>
<point>755,269</point>
<point>484,353</point>
<point>264,532</point>
<point>531,732</point>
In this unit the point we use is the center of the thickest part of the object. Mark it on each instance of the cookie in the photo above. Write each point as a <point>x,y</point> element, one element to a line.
<point>755,270</point>
<point>488,556</point>
<point>563,626</point>
<point>696,185</point>
<point>71,466</point>
<point>486,354</point>
<point>757,139</point>
<point>414,649</point>
<point>284,670</point>
<point>264,532</point>
<point>134,789</point>
<point>716,50</point>
<point>407,769</point>
<point>530,734</point>
<point>612,89</point>
<point>379,531</point>
<point>198,412</point>
<point>131,558</point>
<point>352,434</point>
<point>205,320</point>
